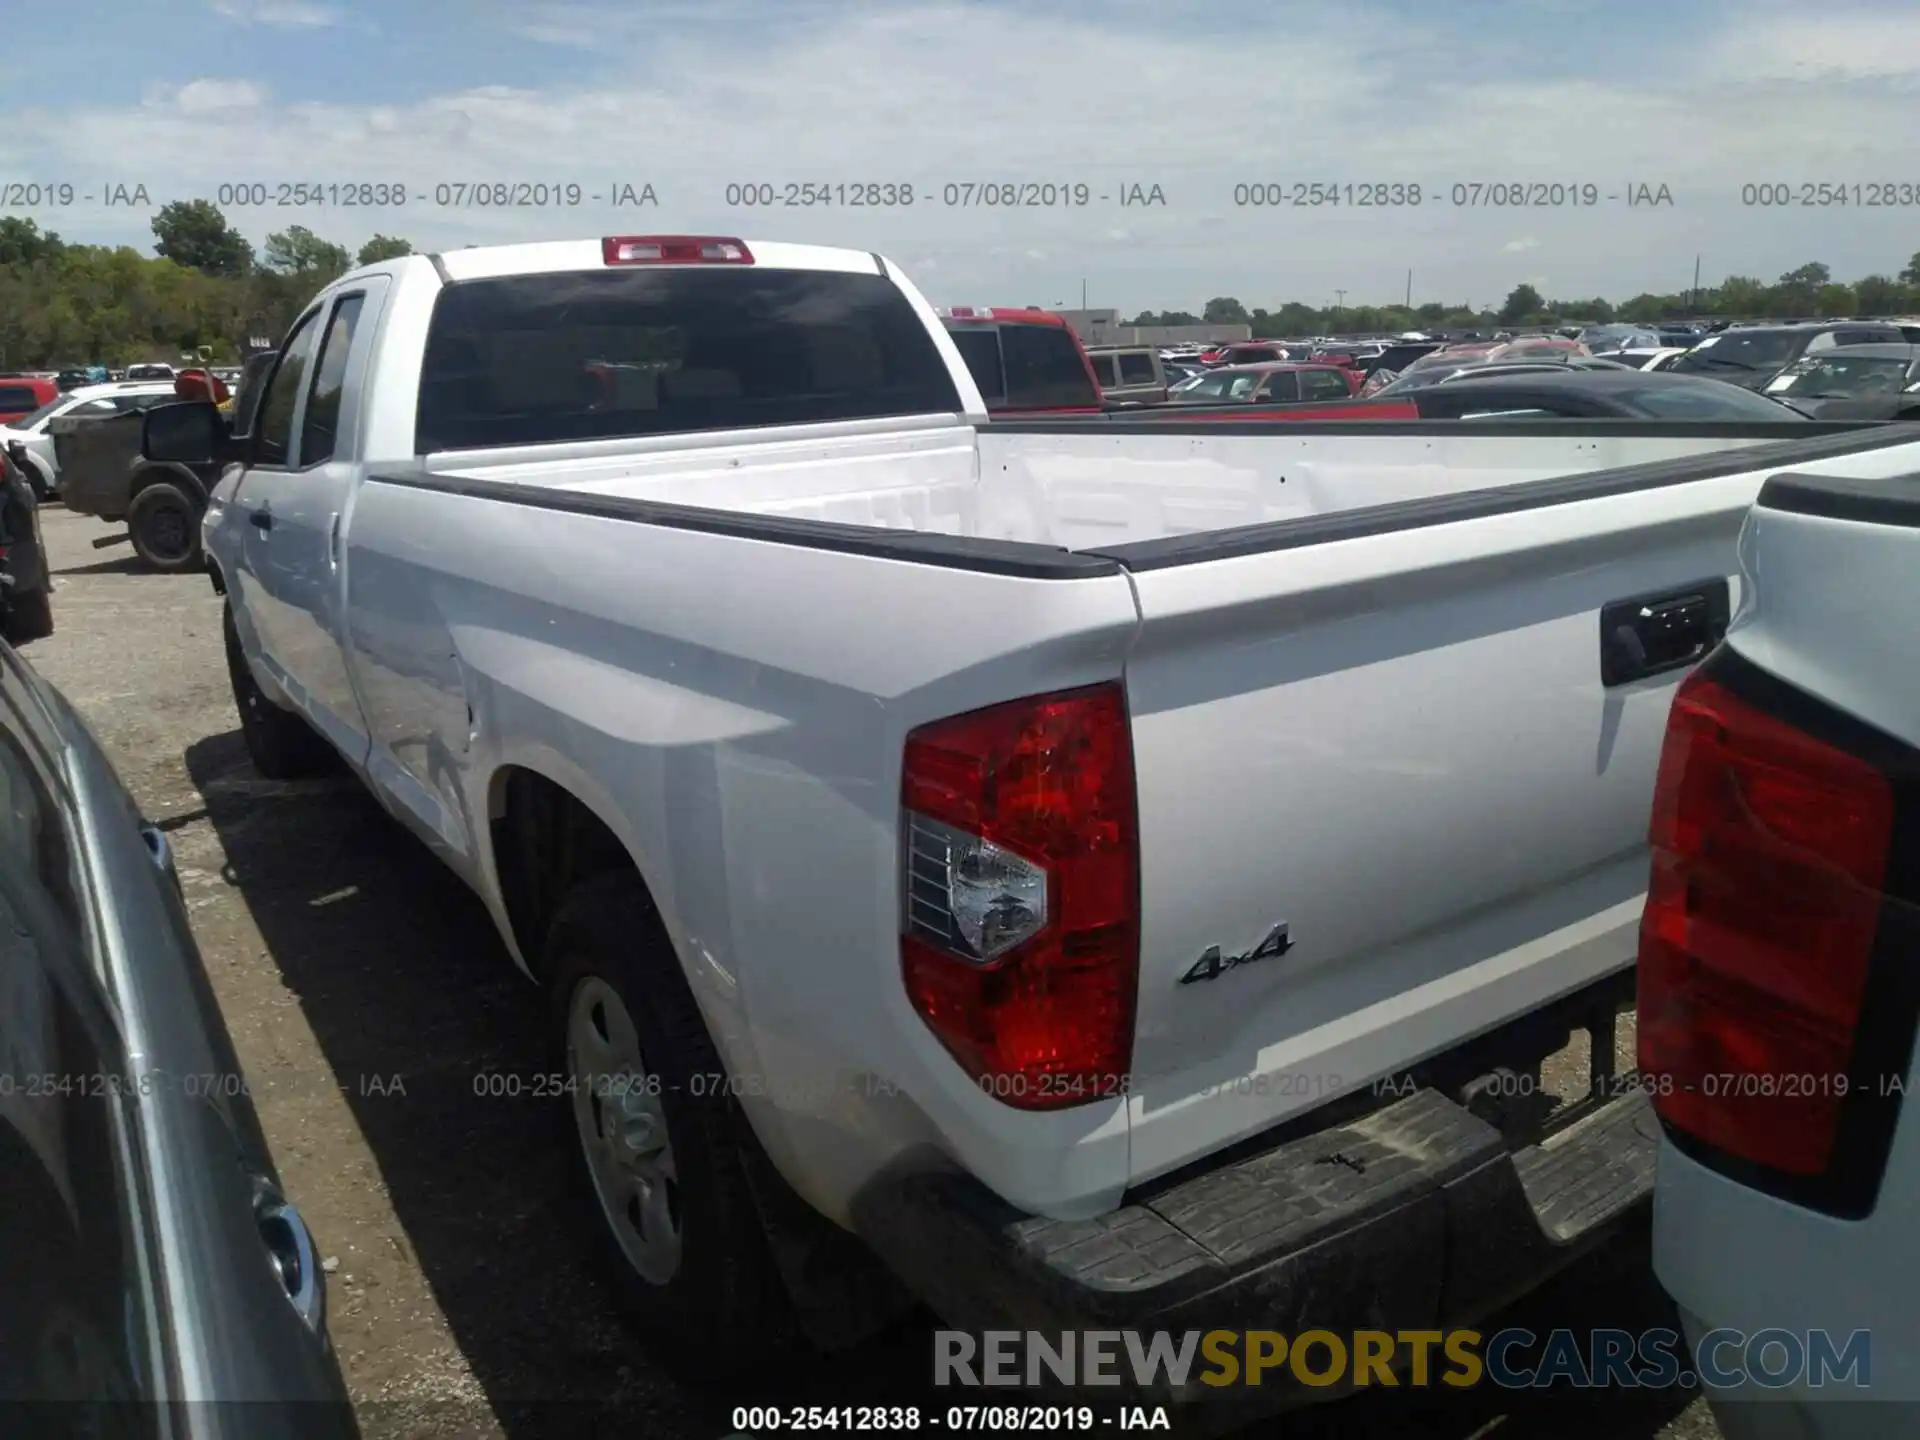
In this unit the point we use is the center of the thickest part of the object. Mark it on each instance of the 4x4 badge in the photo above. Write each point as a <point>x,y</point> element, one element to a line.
<point>1212,965</point>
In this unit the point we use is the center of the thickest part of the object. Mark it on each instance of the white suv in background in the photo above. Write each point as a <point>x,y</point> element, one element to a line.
<point>1779,976</point>
<point>42,469</point>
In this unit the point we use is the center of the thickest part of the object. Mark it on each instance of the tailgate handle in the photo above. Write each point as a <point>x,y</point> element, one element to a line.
<point>1646,635</point>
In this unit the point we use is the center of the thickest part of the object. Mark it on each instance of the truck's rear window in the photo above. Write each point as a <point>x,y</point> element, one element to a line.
<point>601,355</point>
<point>1026,367</point>
<point>979,346</point>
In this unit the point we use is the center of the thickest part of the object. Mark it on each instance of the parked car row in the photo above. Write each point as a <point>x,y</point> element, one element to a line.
<point>1029,362</point>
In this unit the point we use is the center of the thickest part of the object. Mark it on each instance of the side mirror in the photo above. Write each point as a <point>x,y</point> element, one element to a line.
<point>190,432</point>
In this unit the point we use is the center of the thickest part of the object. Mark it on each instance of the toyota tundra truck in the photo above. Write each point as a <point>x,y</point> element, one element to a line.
<point>1778,999</point>
<point>1064,872</point>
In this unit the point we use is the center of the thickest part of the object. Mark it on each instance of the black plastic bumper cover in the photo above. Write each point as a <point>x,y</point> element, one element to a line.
<point>1417,1216</point>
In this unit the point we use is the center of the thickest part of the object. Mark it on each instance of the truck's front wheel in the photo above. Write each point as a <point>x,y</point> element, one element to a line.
<point>655,1137</point>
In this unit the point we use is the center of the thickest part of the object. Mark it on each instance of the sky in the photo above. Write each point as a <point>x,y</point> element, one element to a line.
<point>716,102</point>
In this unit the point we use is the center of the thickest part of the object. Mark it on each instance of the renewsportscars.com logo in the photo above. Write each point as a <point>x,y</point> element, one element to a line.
<point>1514,1359</point>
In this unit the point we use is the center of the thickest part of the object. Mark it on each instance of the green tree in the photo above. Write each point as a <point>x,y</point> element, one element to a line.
<point>1911,274</point>
<point>1523,300</point>
<point>1798,291</point>
<point>298,251</point>
<point>383,247</point>
<point>195,234</point>
<point>1835,301</point>
<point>1738,295</point>
<point>1224,310</point>
<point>1880,296</point>
<point>22,242</point>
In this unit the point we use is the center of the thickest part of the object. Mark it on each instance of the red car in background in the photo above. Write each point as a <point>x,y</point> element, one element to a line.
<point>1026,362</point>
<point>21,395</point>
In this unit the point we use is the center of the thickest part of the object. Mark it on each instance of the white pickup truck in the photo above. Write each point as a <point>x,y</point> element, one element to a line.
<point>1778,993</point>
<point>1022,847</point>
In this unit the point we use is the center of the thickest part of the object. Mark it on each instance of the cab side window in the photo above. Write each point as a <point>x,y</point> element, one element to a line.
<point>273,423</point>
<point>320,430</point>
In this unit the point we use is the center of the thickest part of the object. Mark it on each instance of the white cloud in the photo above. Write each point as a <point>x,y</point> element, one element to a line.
<point>695,98</point>
<point>208,97</point>
<point>1809,46</point>
<point>277,14</point>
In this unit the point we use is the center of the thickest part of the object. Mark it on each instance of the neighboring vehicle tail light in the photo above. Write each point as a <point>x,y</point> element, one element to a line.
<point>674,250</point>
<point>1770,852</point>
<point>1020,909</point>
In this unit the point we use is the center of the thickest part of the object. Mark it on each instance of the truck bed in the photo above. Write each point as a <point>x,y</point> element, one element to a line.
<point>1364,674</point>
<point>1079,486</point>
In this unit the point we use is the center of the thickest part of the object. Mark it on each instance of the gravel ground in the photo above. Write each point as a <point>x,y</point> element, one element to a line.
<point>365,989</point>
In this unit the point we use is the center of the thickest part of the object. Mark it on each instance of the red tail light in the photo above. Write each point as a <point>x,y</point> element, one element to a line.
<point>1770,853</point>
<point>674,250</point>
<point>1020,923</point>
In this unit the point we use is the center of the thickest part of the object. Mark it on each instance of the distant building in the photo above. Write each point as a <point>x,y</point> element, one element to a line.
<point>1104,327</point>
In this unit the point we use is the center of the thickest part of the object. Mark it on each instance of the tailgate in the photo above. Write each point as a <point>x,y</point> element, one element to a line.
<point>1398,743</point>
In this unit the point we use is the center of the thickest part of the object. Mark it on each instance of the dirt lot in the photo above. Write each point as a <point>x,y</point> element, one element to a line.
<point>366,990</point>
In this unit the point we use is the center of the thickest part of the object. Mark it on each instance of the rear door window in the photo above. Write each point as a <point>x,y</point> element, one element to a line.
<point>1137,369</point>
<point>606,354</point>
<point>1283,385</point>
<point>1103,370</point>
<point>18,399</point>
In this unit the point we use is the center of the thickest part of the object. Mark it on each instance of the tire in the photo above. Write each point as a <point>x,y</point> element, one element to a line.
<point>720,1306</point>
<point>281,745</point>
<point>29,617</point>
<point>165,525</point>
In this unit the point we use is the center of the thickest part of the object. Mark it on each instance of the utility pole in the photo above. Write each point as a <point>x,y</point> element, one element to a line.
<point>1409,289</point>
<point>1339,302</point>
<point>1083,294</point>
<point>1693,295</point>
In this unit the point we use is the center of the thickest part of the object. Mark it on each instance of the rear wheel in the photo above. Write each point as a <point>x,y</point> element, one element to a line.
<point>281,745</point>
<point>656,1151</point>
<point>165,526</point>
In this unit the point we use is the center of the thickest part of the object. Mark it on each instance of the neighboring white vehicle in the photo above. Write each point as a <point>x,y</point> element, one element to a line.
<point>43,470</point>
<point>153,371</point>
<point>978,838</point>
<point>1658,357</point>
<point>1778,999</point>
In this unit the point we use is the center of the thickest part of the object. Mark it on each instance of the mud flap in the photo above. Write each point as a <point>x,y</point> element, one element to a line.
<point>841,1293</point>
